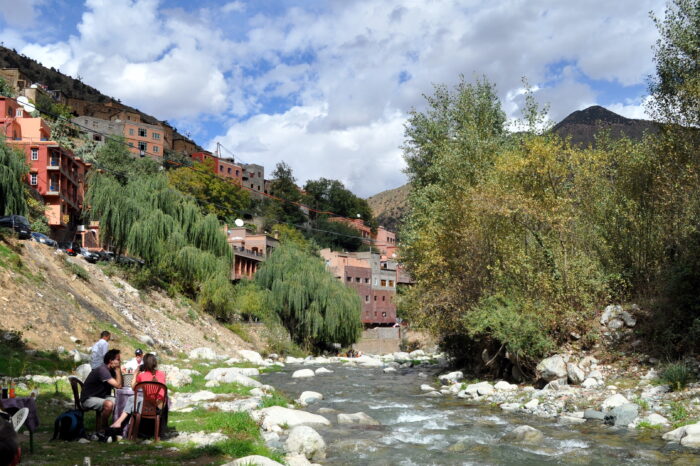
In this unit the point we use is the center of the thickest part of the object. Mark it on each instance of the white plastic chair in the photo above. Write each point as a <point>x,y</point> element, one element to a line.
<point>19,418</point>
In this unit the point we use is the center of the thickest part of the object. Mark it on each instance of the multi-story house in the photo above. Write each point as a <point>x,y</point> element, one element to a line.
<point>253,177</point>
<point>99,130</point>
<point>249,251</point>
<point>383,240</point>
<point>144,139</point>
<point>55,172</point>
<point>224,168</point>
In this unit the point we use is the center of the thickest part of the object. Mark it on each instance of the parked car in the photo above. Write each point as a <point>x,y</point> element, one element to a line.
<point>18,224</point>
<point>43,239</point>
<point>131,261</point>
<point>69,247</point>
<point>89,256</point>
<point>106,255</point>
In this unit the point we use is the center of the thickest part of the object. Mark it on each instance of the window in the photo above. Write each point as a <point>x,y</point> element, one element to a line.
<point>375,298</point>
<point>229,170</point>
<point>131,144</point>
<point>35,153</point>
<point>156,136</point>
<point>391,282</point>
<point>349,279</point>
<point>155,149</point>
<point>221,168</point>
<point>236,172</point>
<point>383,298</point>
<point>143,132</point>
<point>97,137</point>
<point>32,179</point>
<point>20,113</point>
<point>131,131</point>
<point>358,279</point>
<point>366,299</point>
<point>367,280</point>
<point>383,314</point>
<point>383,282</point>
<point>143,146</point>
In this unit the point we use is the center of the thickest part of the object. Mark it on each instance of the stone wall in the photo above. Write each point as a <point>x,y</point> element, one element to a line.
<point>379,340</point>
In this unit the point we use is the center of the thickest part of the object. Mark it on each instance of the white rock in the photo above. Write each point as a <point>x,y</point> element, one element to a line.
<point>426,388</point>
<point>198,438</point>
<point>303,373</point>
<point>389,370</point>
<point>552,368</point>
<point>451,377</point>
<point>524,434</point>
<point>510,407</point>
<point>609,313</point>
<point>233,361</point>
<point>657,420</point>
<point>322,370</point>
<point>298,460</point>
<point>479,389</point>
<point>401,356</point>
<point>357,418</point>
<point>576,375</point>
<point>308,397</point>
<point>146,340</point>
<point>293,360</point>
<point>565,419</point>
<point>650,375</point>
<point>250,356</point>
<point>174,377</point>
<point>202,353</point>
<point>615,324</point>
<point>628,319</point>
<point>433,394</point>
<point>587,362</point>
<point>278,416</point>
<point>212,383</point>
<point>613,402</point>
<point>229,374</point>
<point>306,441</point>
<point>596,374</point>
<point>688,436</point>
<point>416,354</point>
<point>245,404</point>
<point>532,404</point>
<point>503,386</point>
<point>253,460</point>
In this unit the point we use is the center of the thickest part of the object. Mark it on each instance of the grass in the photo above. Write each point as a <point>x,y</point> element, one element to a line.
<point>276,399</point>
<point>198,383</point>
<point>15,361</point>
<point>644,404</point>
<point>647,425</point>
<point>239,330</point>
<point>677,376</point>
<point>678,412</point>
<point>76,269</point>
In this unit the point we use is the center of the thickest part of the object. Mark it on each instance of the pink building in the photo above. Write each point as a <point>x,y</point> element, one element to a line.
<point>249,251</point>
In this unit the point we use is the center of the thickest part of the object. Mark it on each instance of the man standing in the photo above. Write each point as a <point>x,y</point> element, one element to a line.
<point>97,391</point>
<point>99,349</point>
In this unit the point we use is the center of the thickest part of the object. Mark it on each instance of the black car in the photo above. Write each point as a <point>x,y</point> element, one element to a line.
<point>106,255</point>
<point>18,224</point>
<point>89,256</point>
<point>43,239</point>
<point>70,248</point>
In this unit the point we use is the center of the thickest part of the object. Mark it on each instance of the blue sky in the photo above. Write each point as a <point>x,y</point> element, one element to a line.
<point>327,85</point>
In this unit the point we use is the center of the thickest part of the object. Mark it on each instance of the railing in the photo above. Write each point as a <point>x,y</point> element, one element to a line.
<point>241,251</point>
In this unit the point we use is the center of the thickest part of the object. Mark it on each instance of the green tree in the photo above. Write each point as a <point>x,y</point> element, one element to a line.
<point>13,172</point>
<point>114,157</point>
<point>283,185</point>
<point>332,196</point>
<point>316,308</point>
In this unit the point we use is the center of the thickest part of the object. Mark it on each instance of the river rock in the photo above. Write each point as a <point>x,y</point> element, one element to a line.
<point>199,439</point>
<point>426,388</point>
<point>250,356</point>
<point>655,419</point>
<point>613,402</point>
<point>416,354</point>
<point>567,419</point>
<point>524,434</point>
<point>182,400</point>
<point>451,378</point>
<point>552,368</point>
<point>357,418</point>
<point>388,370</point>
<point>401,356</point>
<point>576,375</point>
<point>688,436</point>
<point>245,404</point>
<point>227,374</point>
<point>532,404</point>
<point>202,353</point>
<point>509,407</point>
<point>306,441</point>
<point>256,460</point>
<point>593,414</point>
<point>609,313</point>
<point>298,460</point>
<point>322,370</point>
<point>503,386</point>
<point>596,374</point>
<point>303,373</point>
<point>368,361</point>
<point>308,397</point>
<point>479,389</point>
<point>623,415</point>
<point>83,371</point>
<point>615,324</point>
<point>327,411</point>
<point>588,362</point>
<point>557,384</point>
<point>277,416</point>
<point>293,360</point>
<point>590,383</point>
<point>627,318</point>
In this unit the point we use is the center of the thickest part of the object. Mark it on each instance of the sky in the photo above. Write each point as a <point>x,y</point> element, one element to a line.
<point>327,85</point>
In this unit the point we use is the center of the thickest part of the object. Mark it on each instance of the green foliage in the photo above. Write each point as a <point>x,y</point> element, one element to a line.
<point>331,196</point>
<point>678,412</point>
<point>677,376</point>
<point>251,300</point>
<point>13,171</point>
<point>284,185</point>
<point>76,269</point>
<point>276,399</point>
<point>6,89</point>
<point>289,234</point>
<point>316,309</point>
<point>37,217</point>
<point>335,235</point>
<point>114,157</point>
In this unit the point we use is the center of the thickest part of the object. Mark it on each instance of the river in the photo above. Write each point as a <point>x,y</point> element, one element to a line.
<point>420,430</point>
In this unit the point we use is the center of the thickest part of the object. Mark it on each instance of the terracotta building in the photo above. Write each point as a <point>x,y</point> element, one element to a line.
<point>383,240</point>
<point>249,251</point>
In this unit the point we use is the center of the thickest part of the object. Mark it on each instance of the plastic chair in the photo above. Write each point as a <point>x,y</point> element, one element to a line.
<point>19,418</point>
<point>77,386</point>
<point>154,394</point>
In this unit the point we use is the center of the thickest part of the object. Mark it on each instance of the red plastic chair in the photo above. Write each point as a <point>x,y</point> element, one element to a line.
<point>155,396</point>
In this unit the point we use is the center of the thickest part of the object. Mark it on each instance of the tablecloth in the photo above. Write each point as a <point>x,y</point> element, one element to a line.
<point>29,402</point>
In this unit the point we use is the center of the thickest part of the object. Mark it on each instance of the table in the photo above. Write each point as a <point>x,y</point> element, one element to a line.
<point>32,421</point>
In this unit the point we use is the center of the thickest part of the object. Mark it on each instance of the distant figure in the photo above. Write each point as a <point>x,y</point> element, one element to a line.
<point>97,392</point>
<point>99,349</point>
<point>10,450</point>
<point>149,374</point>
<point>135,362</point>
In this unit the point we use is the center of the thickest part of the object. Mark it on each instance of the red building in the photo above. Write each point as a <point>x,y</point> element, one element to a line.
<point>55,173</point>
<point>224,168</point>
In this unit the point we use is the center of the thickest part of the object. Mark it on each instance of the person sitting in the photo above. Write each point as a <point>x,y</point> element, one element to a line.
<point>97,390</point>
<point>99,349</point>
<point>135,362</point>
<point>10,450</point>
<point>148,374</point>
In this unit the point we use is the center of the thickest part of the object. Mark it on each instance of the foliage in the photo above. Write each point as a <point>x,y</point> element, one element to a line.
<point>251,301</point>
<point>114,158</point>
<point>6,89</point>
<point>276,399</point>
<point>37,211</point>
<point>678,411</point>
<point>331,196</point>
<point>76,269</point>
<point>676,375</point>
<point>13,171</point>
<point>335,235</point>
<point>289,234</point>
<point>214,195</point>
<point>284,185</point>
<point>316,309</point>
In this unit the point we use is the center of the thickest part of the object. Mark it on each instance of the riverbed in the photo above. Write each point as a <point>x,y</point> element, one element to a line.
<point>420,430</point>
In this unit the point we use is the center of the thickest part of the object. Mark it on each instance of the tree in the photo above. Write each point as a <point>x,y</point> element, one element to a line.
<point>284,186</point>
<point>114,157</point>
<point>316,308</point>
<point>13,172</point>
<point>330,195</point>
<point>214,195</point>
<point>6,89</point>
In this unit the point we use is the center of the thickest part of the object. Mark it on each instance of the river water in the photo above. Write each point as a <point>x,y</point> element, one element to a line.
<point>419,430</point>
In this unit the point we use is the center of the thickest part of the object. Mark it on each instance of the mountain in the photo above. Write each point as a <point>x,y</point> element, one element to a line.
<point>583,125</point>
<point>390,206</point>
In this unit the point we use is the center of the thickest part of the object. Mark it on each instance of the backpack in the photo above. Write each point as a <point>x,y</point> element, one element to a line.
<point>69,426</point>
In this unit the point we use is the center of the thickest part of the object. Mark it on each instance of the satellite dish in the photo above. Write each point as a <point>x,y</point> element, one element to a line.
<point>26,105</point>
<point>239,223</point>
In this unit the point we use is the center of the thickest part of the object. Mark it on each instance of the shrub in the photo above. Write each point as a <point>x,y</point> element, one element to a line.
<point>76,269</point>
<point>676,375</point>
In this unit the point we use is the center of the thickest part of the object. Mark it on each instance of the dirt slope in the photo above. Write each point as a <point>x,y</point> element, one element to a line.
<point>390,206</point>
<point>43,299</point>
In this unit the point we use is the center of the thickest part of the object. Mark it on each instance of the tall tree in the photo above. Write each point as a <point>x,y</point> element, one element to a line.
<point>13,173</point>
<point>333,196</point>
<point>284,185</point>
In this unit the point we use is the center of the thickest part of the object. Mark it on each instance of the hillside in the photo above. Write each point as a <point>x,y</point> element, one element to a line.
<point>583,125</point>
<point>41,297</point>
<point>390,206</point>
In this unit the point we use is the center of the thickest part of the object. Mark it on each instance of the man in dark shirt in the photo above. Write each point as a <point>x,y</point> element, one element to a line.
<point>97,390</point>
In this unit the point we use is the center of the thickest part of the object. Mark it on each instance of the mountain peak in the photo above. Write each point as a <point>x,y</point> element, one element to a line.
<point>594,115</point>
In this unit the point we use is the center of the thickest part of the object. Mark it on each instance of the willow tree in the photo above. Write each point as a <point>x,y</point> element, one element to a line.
<point>13,170</point>
<point>316,308</point>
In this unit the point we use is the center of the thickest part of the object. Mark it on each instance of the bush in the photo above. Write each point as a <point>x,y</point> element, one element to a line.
<point>76,269</point>
<point>676,375</point>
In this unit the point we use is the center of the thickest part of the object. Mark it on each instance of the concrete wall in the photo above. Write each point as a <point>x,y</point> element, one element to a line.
<point>379,340</point>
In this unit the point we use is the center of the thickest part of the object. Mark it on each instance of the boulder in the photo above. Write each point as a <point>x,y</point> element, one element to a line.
<point>590,383</point>
<point>254,460</point>
<point>596,374</point>
<point>199,439</point>
<point>426,388</point>
<point>303,373</point>
<point>532,404</point>
<point>503,386</point>
<point>388,370</point>
<point>202,353</point>
<point>623,415</point>
<point>229,374</point>
<point>307,398</point>
<point>614,401</point>
<point>401,356</point>
<point>615,324</point>
<point>277,416</point>
<point>293,360</point>
<point>509,407</point>
<point>182,400</point>
<point>524,434</point>
<point>627,318</point>
<point>306,441</point>
<point>479,389</point>
<point>575,374</point>
<point>451,377</point>
<point>322,370</point>
<point>298,460</point>
<point>609,313</point>
<point>250,356</point>
<point>245,404</point>
<point>416,354</point>
<point>593,414</point>
<point>566,419</point>
<point>688,436</point>
<point>587,362</point>
<point>83,371</point>
<point>146,340</point>
<point>657,420</point>
<point>557,384</point>
<point>212,384</point>
<point>552,368</point>
<point>174,377</point>
<point>357,418</point>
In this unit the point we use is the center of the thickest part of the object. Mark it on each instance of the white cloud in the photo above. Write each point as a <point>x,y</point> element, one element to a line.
<point>233,7</point>
<point>21,14</point>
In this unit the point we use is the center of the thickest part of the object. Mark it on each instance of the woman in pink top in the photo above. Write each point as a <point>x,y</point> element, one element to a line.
<point>145,373</point>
